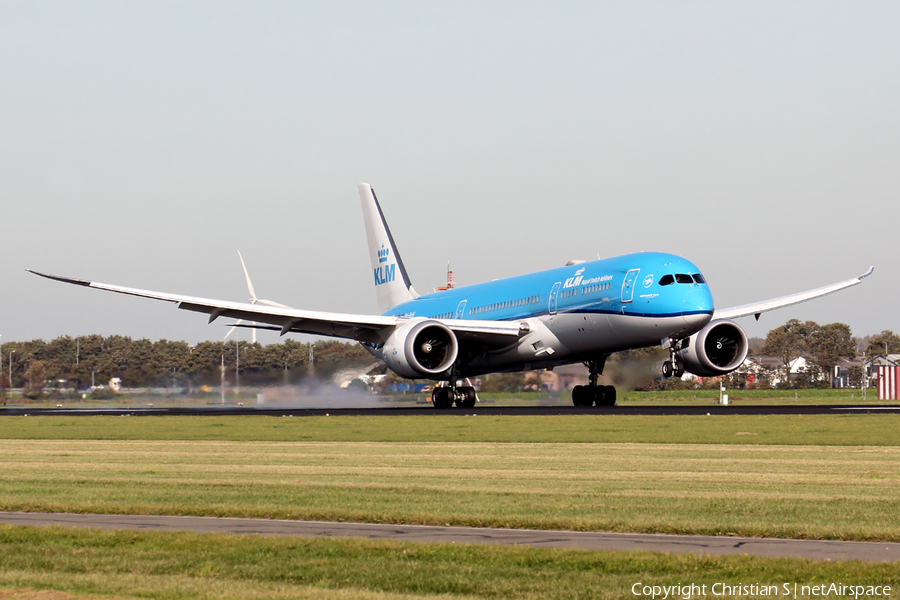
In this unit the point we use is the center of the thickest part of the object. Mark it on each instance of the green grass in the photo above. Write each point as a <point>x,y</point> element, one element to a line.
<point>279,399</point>
<point>823,430</point>
<point>709,396</point>
<point>833,476</point>
<point>847,492</point>
<point>750,396</point>
<point>184,565</point>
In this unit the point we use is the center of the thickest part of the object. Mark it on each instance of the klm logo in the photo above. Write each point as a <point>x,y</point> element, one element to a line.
<point>384,274</point>
<point>580,279</point>
<point>575,281</point>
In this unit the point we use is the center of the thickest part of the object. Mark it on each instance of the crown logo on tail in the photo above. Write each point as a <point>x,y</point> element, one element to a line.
<point>383,254</point>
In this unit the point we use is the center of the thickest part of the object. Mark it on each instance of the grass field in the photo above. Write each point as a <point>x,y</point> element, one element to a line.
<point>796,476</point>
<point>168,565</point>
<point>285,397</point>
<point>627,397</point>
<point>595,427</point>
<point>782,491</point>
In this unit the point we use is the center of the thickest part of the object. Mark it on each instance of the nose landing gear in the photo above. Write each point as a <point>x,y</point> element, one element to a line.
<point>674,367</point>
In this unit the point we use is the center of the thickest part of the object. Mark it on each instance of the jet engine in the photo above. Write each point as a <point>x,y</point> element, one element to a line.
<point>421,349</point>
<point>717,349</point>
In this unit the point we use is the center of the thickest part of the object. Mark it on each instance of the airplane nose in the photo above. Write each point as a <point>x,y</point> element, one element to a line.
<point>697,306</point>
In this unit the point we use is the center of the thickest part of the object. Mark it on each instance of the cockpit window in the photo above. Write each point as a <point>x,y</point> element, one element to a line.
<point>681,278</point>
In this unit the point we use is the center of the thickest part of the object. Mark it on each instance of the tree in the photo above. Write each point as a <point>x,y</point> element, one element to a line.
<point>790,341</point>
<point>34,377</point>
<point>503,382</point>
<point>857,376</point>
<point>810,376</point>
<point>829,344</point>
<point>534,381</point>
<point>877,343</point>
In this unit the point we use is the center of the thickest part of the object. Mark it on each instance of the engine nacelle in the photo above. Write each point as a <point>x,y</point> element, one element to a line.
<point>717,349</point>
<point>421,349</point>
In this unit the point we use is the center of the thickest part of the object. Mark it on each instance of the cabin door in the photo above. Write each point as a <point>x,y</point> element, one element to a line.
<point>554,295</point>
<point>461,310</point>
<point>628,285</point>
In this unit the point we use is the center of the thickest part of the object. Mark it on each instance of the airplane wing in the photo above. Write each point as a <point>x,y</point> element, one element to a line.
<point>758,308</point>
<point>363,328</point>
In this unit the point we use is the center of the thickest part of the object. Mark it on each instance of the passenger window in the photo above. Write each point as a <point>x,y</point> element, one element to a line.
<point>682,278</point>
<point>666,280</point>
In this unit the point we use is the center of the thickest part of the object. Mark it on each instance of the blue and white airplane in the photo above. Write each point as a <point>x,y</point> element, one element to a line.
<point>581,312</point>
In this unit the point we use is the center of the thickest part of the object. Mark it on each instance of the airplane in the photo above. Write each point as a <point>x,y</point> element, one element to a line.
<point>582,312</point>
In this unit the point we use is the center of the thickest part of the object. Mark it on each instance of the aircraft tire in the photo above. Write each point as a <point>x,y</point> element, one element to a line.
<point>465,397</point>
<point>667,369</point>
<point>678,370</point>
<point>440,397</point>
<point>609,398</point>
<point>581,396</point>
<point>578,395</point>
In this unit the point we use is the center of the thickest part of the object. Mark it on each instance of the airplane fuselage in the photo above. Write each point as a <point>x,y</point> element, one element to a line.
<point>577,312</point>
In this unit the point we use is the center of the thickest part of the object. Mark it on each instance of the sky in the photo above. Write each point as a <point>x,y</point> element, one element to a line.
<point>144,144</point>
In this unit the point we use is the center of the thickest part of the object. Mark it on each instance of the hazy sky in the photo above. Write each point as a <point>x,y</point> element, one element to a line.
<point>143,144</point>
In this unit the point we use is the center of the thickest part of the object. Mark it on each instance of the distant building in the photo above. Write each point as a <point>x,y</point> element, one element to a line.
<point>772,368</point>
<point>563,378</point>
<point>841,376</point>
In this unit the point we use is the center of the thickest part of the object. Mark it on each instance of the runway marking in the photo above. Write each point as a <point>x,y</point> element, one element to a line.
<point>897,408</point>
<point>585,540</point>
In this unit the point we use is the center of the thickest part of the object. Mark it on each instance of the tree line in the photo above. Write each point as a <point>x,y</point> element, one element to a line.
<point>76,363</point>
<point>826,346</point>
<point>87,360</point>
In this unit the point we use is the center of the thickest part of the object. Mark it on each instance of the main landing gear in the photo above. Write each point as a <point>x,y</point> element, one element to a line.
<point>588,395</point>
<point>445,396</point>
<point>674,367</point>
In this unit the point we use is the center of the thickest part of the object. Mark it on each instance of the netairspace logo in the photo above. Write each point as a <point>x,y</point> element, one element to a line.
<point>792,590</point>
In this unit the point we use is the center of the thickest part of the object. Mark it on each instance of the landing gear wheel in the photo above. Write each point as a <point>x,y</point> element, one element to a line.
<point>441,397</point>
<point>582,395</point>
<point>667,369</point>
<point>610,397</point>
<point>678,370</point>
<point>600,395</point>
<point>465,397</point>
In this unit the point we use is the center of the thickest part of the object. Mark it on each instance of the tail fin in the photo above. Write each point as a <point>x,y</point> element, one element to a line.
<point>392,284</point>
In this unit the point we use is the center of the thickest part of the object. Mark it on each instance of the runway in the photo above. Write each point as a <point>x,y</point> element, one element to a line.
<point>711,409</point>
<point>711,545</point>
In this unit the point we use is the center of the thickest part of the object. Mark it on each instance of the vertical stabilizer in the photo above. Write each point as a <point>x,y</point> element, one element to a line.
<point>392,284</point>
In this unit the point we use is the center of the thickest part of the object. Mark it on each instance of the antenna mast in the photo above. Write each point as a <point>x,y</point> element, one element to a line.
<point>450,284</point>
